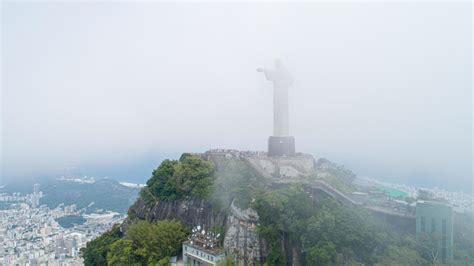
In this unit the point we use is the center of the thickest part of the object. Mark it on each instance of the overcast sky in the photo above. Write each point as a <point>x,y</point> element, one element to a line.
<point>384,89</point>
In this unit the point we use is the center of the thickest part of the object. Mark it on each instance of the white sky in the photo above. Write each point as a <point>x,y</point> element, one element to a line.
<point>383,88</point>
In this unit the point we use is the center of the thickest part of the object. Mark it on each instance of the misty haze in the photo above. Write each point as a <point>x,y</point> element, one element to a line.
<point>273,133</point>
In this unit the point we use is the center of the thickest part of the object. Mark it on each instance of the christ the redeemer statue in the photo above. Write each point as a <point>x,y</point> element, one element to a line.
<point>281,143</point>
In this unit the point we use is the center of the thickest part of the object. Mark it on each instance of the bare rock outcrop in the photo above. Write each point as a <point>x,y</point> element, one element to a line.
<point>191,212</point>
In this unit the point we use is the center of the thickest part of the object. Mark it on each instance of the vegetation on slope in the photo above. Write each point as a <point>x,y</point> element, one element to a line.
<point>95,252</point>
<point>189,177</point>
<point>235,180</point>
<point>145,243</point>
<point>335,175</point>
<point>152,243</point>
<point>319,231</point>
<point>327,233</point>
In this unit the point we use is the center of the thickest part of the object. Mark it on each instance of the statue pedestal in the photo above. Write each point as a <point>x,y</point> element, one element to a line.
<point>281,146</point>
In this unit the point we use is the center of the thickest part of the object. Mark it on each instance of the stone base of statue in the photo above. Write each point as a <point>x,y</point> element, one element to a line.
<point>281,146</point>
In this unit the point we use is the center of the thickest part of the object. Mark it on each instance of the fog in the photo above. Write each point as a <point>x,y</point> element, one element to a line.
<point>114,88</point>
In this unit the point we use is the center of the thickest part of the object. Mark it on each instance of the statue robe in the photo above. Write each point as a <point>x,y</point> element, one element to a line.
<point>282,80</point>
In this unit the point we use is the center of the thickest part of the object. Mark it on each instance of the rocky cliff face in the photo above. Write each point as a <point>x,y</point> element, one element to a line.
<point>190,212</point>
<point>241,240</point>
<point>241,237</point>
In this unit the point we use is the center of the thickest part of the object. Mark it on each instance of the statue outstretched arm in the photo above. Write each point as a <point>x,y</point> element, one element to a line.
<point>269,75</point>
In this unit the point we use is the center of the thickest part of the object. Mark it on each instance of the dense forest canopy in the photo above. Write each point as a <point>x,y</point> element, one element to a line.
<point>326,232</point>
<point>145,243</point>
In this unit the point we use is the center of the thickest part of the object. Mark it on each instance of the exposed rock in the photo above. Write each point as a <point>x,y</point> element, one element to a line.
<point>241,238</point>
<point>190,212</point>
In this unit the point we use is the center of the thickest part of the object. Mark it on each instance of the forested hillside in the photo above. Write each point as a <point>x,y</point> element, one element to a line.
<point>294,227</point>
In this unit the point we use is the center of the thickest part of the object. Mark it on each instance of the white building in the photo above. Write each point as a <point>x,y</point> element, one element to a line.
<point>197,255</point>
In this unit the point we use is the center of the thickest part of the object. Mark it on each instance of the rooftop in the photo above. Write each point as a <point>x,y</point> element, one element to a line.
<point>394,193</point>
<point>210,250</point>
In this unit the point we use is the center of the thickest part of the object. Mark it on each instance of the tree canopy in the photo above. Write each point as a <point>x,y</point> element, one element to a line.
<point>95,252</point>
<point>326,232</point>
<point>145,243</point>
<point>191,176</point>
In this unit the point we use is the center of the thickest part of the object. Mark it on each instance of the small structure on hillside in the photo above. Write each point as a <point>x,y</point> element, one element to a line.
<point>360,197</point>
<point>393,193</point>
<point>202,248</point>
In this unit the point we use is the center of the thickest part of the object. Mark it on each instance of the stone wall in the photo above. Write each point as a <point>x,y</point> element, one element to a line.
<point>301,165</point>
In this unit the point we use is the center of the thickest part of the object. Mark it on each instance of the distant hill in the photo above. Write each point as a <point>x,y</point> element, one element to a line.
<point>105,194</point>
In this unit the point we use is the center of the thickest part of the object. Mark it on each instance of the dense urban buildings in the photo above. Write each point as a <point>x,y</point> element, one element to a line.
<point>38,235</point>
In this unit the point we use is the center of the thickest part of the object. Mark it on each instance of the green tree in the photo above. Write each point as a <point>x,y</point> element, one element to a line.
<point>400,255</point>
<point>430,245</point>
<point>321,254</point>
<point>156,188</point>
<point>95,252</point>
<point>145,243</point>
<point>120,253</point>
<point>326,232</point>
<point>154,241</point>
<point>191,176</point>
<point>170,235</point>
